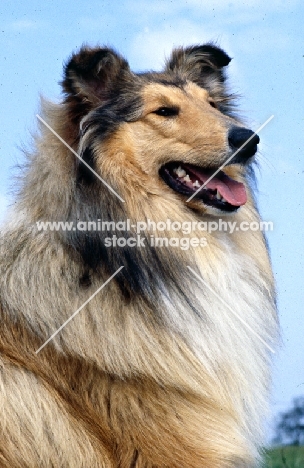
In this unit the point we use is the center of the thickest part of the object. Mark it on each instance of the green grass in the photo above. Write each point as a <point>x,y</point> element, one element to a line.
<point>284,457</point>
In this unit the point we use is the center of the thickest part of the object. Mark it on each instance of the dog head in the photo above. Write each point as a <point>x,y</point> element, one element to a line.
<point>165,134</point>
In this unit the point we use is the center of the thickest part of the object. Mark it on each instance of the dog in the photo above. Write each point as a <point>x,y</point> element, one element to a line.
<point>146,352</point>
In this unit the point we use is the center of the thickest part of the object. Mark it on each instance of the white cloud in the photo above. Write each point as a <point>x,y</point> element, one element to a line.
<point>24,25</point>
<point>150,47</point>
<point>170,8</point>
<point>241,4</point>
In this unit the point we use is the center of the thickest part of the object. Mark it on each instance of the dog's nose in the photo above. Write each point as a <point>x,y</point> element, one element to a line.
<point>245,139</point>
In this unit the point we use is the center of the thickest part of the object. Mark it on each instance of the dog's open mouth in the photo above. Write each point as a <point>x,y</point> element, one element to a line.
<point>221,191</point>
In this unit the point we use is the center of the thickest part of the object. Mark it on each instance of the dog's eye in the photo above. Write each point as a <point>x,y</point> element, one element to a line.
<point>167,111</point>
<point>212,104</point>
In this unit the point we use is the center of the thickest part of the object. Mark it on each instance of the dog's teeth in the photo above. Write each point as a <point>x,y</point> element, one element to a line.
<point>187,178</point>
<point>180,172</point>
<point>196,184</point>
<point>218,195</point>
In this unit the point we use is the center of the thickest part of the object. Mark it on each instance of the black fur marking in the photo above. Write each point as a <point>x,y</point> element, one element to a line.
<point>95,67</point>
<point>165,79</point>
<point>134,459</point>
<point>176,81</point>
<point>89,78</point>
<point>91,249</point>
<point>85,280</point>
<point>137,279</point>
<point>198,58</point>
<point>106,119</point>
<point>84,174</point>
<point>218,57</point>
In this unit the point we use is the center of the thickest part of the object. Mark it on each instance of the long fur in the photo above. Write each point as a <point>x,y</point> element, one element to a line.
<point>155,371</point>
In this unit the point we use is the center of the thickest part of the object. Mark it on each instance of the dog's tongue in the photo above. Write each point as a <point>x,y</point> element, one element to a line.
<point>232,191</point>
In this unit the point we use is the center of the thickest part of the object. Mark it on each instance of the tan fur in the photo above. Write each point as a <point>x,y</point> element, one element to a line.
<point>124,384</point>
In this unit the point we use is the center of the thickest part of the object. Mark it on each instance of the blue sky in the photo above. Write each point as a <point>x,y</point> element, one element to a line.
<point>265,40</point>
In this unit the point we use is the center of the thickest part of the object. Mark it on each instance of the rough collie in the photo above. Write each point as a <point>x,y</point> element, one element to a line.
<point>133,334</point>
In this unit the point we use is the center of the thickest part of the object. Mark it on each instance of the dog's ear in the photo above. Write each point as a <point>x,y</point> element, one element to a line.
<point>90,75</point>
<point>198,62</point>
